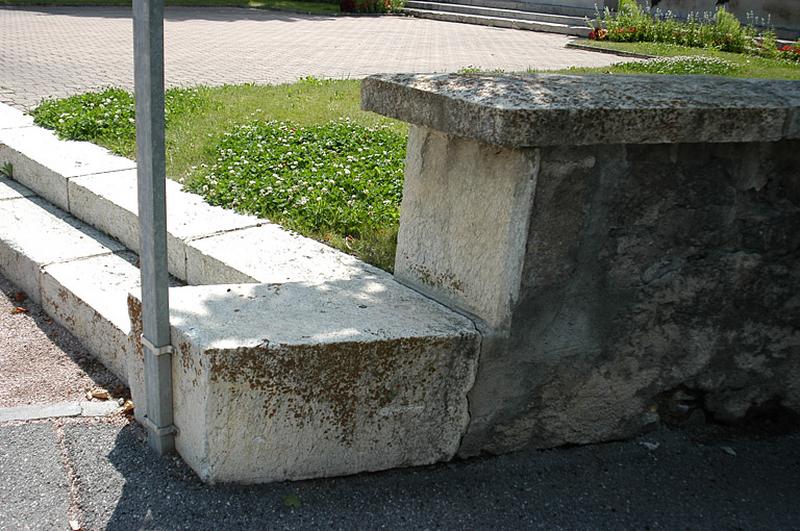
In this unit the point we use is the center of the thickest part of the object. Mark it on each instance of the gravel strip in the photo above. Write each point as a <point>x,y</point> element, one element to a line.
<point>40,361</point>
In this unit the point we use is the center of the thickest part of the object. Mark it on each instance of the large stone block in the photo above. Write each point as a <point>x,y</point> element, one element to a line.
<point>58,237</point>
<point>628,245</point>
<point>482,277</point>
<point>660,282</point>
<point>294,380</point>
<point>44,163</point>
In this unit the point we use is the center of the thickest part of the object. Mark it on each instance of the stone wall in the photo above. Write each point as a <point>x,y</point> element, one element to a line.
<point>660,282</point>
<point>628,247</point>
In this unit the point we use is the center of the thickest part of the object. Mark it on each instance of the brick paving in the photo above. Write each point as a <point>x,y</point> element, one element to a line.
<point>60,51</point>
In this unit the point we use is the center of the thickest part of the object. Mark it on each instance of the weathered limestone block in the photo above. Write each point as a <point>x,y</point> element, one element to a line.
<point>482,276</point>
<point>629,246</point>
<point>295,380</point>
<point>651,270</point>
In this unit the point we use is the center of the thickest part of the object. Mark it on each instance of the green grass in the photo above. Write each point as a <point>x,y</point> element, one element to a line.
<point>212,131</point>
<point>338,178</point>
<point>745,65</point>
<point>301,6</point>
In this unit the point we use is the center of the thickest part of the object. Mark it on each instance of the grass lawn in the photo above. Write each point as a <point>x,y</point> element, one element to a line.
<point>301,6</point>
<point>325,168</point>
<point>746,65</point>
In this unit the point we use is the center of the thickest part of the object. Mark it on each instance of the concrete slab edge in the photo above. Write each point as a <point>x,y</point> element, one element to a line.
<point>58,410</point>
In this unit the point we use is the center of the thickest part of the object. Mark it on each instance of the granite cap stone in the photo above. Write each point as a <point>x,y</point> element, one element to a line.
<point>526,110</point>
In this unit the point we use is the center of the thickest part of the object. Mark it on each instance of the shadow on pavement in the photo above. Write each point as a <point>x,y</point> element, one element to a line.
<point>676,480</point>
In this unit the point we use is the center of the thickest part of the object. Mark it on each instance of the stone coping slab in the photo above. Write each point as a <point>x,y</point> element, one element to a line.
<point>283,257</point>
<point>552,109</point>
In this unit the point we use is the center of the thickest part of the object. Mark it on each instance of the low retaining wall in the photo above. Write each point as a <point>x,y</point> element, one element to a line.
<point>630,245</point>
<point>292,360</point>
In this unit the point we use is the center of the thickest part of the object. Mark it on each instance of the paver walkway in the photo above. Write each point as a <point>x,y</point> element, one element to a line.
<point>62,51</point>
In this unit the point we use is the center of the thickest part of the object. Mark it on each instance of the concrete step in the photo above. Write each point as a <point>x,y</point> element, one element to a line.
<point>80,277</point>
<point>500,22</point>
<point>520,5</point>
<point>496,12</point>
<point>35,234</point>
<point>89,298</point>
<point>45,164</point>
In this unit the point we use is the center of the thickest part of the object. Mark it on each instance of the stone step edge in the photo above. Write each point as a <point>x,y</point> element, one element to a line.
<point>569,11</point>
<point>517,14</point>
<point>530,25</point>
<point>63,282</point>
<point>80,194</point>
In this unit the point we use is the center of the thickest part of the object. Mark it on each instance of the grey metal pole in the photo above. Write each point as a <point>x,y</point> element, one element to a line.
<point>148,49</point>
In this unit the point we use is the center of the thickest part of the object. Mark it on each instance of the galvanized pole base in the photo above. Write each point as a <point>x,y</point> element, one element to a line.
<point>148,41</point>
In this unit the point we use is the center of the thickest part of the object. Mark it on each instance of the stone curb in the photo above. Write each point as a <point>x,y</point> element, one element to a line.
<point>589,48</point>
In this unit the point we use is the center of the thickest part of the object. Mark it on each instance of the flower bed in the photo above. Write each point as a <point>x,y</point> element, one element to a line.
<point>718,30</point>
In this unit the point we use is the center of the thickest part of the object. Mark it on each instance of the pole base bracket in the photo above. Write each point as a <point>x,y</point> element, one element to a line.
<point>150,426</point>
<point>157,351</point>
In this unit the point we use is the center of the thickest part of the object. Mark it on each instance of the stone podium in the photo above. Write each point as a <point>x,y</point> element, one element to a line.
<point>629,247</point>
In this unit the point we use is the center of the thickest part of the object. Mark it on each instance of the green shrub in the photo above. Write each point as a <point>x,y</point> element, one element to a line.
<point>339,177</point>
<point>720,30</point>
<point>680,65</point>
<point>107,117</point>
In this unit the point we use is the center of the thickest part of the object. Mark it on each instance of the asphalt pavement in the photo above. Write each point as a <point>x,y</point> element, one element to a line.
<point>101,474</point>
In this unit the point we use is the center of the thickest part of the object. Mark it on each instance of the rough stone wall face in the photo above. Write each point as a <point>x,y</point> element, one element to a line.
<point>661,282</point>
